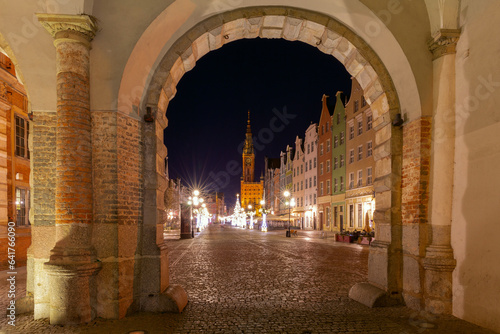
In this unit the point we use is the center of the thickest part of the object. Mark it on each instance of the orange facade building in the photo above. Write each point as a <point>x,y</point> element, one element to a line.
<point>14,165</point>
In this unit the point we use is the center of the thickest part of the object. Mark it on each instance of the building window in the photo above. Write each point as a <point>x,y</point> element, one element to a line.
<point>321,149</point>
<point>301,185</point>
<point>321,188</point>
<point>308,148</point>
<point>341,183</point>
<point>310,164</point>
<point>360,152</point>
<point>342,138</point>
<point>360,178</point>
<point>351,132</point>
<point>360,215</point>
<point>335,163</point>
<point>310,182</point>
<point>351,180</point>
<point>369,149</point>
<point>356,105</point>
<point>328,165</point>
<point>328,145</point>
<point>341,163</point>
<point>360,127</point>
<point>294,172</point>
<point>314,198</point>
<point>369,175</point>
<point>22,133</point>
<point>369,120</point>
<point>320,168</point>
<point>323,129</point>
<point>306,167</point>
<point>306,184</point>
<point>338,118</point>
<point>351,156</point>
<point>351,215</point>
<point>314,162</point>
<point>301,169</point>
<point>312,147</point>
<point>327,126</point>
<point>363,101</point>
<point>315,180</point>
<point>335,141</point>
<point>328,187</point>
<point>335,185</point>
<point>22,198</point>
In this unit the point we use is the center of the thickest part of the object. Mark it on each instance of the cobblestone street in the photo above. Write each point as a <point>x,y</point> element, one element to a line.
<point>246,281</point>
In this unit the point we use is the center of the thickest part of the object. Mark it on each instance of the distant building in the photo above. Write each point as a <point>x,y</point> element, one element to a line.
<point>324,166</point>
<point>310,176</point>
<point>338,164</point>
<point>15,162</point>
<point>251,191</point>
<point>271,190</point>
<point>215,206</point>
<point>359,195</point>
<point>298,180</point>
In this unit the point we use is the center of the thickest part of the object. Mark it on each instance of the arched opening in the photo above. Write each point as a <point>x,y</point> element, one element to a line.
<point>330,37</point>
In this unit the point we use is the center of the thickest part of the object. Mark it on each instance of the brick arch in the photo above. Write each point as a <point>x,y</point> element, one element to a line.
<point>330,37</point>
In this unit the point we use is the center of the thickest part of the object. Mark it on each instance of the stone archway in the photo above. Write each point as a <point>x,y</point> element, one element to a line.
<point>330,37</point>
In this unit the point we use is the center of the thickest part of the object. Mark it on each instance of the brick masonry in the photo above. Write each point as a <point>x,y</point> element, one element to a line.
<point>415,174</point>
<point>415,198</point>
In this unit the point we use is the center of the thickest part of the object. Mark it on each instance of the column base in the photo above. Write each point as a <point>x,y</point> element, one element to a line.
<point>72,292</point>
<point>439,265</point>
<point>173,299</point>
<point>372,296</point>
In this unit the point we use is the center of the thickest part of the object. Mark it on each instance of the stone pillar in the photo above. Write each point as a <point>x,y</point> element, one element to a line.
<point>439,262</point>
<point>72,264</point>
<point>155,293</point>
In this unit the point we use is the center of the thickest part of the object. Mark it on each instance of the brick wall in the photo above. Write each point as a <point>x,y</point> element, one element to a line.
<point>415,173</point>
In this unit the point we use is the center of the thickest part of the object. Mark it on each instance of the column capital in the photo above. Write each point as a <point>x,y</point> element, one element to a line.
<point>444,42</point>
<point>72,28</point>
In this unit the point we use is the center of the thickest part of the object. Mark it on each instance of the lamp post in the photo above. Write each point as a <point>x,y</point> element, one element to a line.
<point>250,213</point>
<point>264,224</point>
<point>287,194</point>
<point>194,200</point>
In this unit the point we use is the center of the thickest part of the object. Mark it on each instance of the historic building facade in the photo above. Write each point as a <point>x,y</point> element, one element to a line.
<point>359,196</point>
<point>251,192</point>
<point>339,164</point>
<point>324,166</point>
<point>298,180</point>
<point>14,164</point>
<point>311,176</point>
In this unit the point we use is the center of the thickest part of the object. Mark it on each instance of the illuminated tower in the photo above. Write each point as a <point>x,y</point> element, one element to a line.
<point>251,192</point>
<point>248,155</point>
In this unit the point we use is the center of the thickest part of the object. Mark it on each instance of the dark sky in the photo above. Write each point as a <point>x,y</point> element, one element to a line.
<point>280,82</point>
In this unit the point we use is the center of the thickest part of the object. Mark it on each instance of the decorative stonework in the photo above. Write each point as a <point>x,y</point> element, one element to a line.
<point>79,28</point>
<point>444,42</point>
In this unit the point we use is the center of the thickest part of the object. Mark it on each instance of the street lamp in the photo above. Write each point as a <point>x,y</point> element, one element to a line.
<point>264,224</point>
<point>194,200</point>
<point>250,213</point>
<point>287,194</point>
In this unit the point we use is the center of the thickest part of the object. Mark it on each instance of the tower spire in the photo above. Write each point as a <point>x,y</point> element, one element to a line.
<point>248,123</point>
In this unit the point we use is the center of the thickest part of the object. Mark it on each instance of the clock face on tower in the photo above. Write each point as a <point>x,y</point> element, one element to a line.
<point>248,161</point>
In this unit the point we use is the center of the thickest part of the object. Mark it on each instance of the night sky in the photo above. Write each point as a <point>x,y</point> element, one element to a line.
<point>280,82</point>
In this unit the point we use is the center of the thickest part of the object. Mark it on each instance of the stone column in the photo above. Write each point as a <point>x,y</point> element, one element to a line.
<point>439,262</point>
<point>72,263</point>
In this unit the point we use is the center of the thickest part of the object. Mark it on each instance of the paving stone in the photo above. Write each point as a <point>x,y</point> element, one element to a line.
<point>246,281</point>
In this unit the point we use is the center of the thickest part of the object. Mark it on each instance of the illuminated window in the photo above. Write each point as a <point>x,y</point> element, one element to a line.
<point>342,138</point>
<point>22,201</point>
